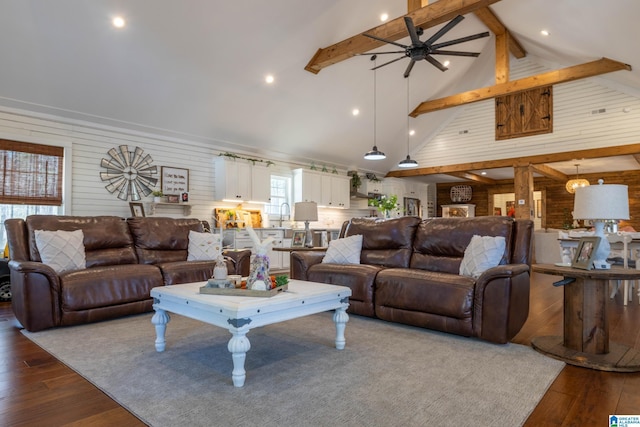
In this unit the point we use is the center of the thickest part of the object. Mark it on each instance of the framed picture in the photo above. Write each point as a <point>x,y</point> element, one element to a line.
<point>137,209</point>
<point>411,206</point>
<point>174,198</point>
<point>298,239</point>
<point>174,180</point>
<point>497,211</point>
<point>583,257</point>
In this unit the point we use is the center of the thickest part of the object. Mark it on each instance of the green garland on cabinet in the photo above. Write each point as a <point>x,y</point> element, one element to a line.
<point>252,160</point>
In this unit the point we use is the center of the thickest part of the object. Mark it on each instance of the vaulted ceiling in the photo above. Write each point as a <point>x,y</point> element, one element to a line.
<point>195,69</point>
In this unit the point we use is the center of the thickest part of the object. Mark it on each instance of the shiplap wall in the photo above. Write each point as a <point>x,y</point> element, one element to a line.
<point>574,125</point>
<point>87,144</point>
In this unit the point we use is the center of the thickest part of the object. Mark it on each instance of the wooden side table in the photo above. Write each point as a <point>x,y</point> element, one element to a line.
<point>318,248</point>
<point>586,321</point>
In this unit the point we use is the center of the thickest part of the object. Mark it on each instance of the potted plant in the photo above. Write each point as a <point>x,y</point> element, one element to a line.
<point>157,196</point>
<point>385,204</point>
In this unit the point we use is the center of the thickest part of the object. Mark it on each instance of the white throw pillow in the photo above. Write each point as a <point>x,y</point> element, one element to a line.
<point>344,251</point>
<point>203,246</point>
<point>482,253</point>
<point>61,250</point>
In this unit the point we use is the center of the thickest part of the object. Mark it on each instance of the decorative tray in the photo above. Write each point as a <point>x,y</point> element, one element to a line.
<point>243,292</point>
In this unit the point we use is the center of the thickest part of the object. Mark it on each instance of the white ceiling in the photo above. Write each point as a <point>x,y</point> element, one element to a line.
<point>195,69</point>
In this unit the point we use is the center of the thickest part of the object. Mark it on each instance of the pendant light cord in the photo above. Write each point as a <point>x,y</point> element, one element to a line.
<point>375,109</point>
<point>408,115</point>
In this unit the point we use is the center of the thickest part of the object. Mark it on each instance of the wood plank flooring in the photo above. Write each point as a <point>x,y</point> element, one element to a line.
<point>37,389</point>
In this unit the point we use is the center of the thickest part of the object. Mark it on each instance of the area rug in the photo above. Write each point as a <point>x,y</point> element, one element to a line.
<point>388,374</point>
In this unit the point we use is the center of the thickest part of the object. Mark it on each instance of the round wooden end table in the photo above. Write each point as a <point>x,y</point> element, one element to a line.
<point>586,321</point>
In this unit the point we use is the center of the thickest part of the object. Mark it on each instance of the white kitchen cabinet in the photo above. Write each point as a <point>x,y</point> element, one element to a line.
<point>275,258</point>
<point>307,186</point>
<point>326,189</point>
<point>233,180</point>
<point>260,184</point>
<point>374,187</point>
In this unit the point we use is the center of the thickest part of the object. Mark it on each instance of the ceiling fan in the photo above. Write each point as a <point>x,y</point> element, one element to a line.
<point>419,50</point>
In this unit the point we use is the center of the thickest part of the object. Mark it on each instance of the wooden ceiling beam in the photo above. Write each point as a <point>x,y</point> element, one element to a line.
<point>496,26</point>
<point>592,153</point>
<point>426,17</point>
<point>637,157</point>
<point>550,172</point>
<point>473,177</point>
<point>563,75</point>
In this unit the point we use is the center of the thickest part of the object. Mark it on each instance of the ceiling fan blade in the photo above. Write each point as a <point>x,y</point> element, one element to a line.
<point>384,40</point>
<point>454,53</point>
<point>409,68</point>
<point>387,63</point>
<point>460,40</point>
<point>455,21</point>
<point>436,63</point>
<point>381,53</point>
<point>412,31</point>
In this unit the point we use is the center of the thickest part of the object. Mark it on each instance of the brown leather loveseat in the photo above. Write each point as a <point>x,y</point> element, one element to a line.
<point>124,260</point>
<point>409,273</point>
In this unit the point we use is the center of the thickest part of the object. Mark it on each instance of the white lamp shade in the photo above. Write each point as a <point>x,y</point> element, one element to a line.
<point>605,202</point>
<point>305,211</point>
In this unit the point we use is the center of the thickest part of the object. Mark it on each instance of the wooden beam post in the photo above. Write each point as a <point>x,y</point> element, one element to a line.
<point>416,4</point>
<point>589,69</point>
<point>523,188</point>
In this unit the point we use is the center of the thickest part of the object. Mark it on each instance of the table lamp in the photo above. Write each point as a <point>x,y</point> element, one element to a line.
<point>306,211</point>
<point>601,203</point>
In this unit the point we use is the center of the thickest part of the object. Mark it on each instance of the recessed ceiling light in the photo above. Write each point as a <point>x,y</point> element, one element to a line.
<point>544,33</point>
<point>483,173</point>
<point>384,17</point>
<point>446,63</point>
<point>355,111</point>
<point>269,79</point>
<point>118,22</point>
<point>412,132</point>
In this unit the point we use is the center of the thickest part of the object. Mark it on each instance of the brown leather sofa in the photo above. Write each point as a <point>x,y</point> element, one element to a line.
<point>124,260</point>
<point>409,273</point>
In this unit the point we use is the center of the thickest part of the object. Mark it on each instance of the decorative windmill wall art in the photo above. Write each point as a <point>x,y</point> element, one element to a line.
<point>129,173</point>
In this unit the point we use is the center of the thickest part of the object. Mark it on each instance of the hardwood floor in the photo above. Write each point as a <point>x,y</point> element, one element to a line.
<point>36,389</point>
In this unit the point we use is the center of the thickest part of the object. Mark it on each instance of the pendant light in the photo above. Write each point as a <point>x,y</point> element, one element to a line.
<point>408,163</point>
<point>374,154</point>
<point>577,182</point>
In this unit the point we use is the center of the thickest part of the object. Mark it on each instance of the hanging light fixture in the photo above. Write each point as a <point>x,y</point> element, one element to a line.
<point>374,154</point>
<point>408,163</point>
<point>577,182</point>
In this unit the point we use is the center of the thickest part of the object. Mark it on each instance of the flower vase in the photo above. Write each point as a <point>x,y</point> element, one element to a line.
<point>259,278</point>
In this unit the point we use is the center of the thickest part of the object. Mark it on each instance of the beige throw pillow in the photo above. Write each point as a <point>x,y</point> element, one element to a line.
<point>203,246</point>
<point>61,250</point>
<point>482,253</point>
<point>344,251</point>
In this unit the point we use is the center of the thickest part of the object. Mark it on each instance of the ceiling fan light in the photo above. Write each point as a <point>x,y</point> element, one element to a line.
<point>375,154</point>
<point>408,163</point>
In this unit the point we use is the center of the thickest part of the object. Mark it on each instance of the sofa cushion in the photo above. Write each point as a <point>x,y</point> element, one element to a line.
<point>483,253</point>
<point>203,246</point>
<point>344,251</point>
<point>107,286</point>
<point>162,239</point>
<point>440,242</point>
<point>107,240</point>
<point>385,242</point>
<point>61,250</point>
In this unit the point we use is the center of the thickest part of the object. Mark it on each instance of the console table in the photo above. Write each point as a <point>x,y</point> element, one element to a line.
<point>586,321</point>
<point>314,249</point>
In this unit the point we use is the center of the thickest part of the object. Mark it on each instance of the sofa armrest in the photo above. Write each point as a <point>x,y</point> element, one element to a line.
<point>35,295</point>
<point>301,261</point>
<point>241,259</point>
<point>501,302</point>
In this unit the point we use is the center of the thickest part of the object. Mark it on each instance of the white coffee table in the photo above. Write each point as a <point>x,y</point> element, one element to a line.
<point>239,314</point>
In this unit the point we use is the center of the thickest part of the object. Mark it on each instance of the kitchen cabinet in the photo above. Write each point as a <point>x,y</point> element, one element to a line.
<point>327,190</point>
<point>275,258</point>
<point>373,187</point>
<point>239,181</point>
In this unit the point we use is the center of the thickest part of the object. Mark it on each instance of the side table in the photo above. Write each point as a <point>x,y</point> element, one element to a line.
<point>318,248</point>
<point>586,321</point>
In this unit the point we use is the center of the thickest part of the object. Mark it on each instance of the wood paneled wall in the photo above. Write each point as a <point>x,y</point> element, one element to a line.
<point>557,202</point>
